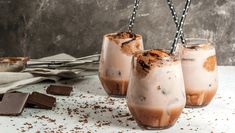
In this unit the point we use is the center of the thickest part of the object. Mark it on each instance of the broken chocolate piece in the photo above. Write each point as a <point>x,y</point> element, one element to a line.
<point>12,104</point>
<point>41,101</point>
<point>59,90</point>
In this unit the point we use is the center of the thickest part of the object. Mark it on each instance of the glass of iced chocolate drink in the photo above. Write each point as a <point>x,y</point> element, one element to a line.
<point>156,93</point>
<point>115,61</point>
<point>199,67</point>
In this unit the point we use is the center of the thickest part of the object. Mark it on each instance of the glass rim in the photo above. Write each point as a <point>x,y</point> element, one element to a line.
<point>198,39</point>
<point>190,42</point>
<point>194,41</point>
<point>138,36</point>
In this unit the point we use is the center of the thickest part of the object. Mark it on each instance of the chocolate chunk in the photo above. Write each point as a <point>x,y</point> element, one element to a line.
<point>164,92</point>
<point>42,101</point>
<point>12,104</point>
<point>59,90</point>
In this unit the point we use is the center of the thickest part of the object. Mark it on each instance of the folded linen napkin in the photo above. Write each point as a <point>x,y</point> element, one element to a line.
<point>15,80</point>
<point>20,83</point>
<point>65,66</point>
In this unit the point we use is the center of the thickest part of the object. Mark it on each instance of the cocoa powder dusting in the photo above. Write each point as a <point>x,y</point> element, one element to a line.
<point>147,60</point>
<point>121,35</point>
<point>131,48</point>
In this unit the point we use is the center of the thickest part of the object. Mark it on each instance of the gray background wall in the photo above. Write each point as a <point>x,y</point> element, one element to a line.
<point>39,28</point>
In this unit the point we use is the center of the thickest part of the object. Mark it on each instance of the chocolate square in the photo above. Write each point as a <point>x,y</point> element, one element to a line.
<point>59,90</point>
<point>41,101</point>
<point>12,104</point>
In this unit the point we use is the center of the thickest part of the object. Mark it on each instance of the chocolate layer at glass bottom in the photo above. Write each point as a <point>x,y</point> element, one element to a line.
<point>155,118</point>
<point>116,88</point>
<point>200,98</point>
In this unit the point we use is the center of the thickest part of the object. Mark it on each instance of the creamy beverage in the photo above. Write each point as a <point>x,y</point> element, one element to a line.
<point>199,67</point>
<point>115,61</point>
<point>156,93</point>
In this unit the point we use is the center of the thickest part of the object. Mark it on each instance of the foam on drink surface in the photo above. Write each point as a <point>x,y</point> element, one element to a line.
<point>128,42</point>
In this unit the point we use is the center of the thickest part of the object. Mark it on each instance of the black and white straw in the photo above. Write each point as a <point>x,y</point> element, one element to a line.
<point>180,25</point>
<point>133,16</point>
<point>175,18</point>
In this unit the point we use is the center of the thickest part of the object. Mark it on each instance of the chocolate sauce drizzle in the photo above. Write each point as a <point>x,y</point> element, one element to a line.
<point>133,36</point>
<point>144,65</point>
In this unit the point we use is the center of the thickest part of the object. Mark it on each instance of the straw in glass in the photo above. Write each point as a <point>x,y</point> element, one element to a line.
<point>180,25</point>
<point>133,16</point>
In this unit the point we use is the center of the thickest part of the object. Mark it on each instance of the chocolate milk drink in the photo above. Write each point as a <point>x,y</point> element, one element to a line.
<point>156,93</point>
<point>199,67</point>
<point>115,61</point>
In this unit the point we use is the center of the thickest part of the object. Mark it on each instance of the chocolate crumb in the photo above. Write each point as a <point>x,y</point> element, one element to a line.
<point>163,92</point>
<point>119,73</point>
<point>159,88</point>
<point>120,121</point>
<point>130,119</point>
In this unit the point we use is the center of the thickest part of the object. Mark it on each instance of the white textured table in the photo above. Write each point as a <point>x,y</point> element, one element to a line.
<point>90,110</point>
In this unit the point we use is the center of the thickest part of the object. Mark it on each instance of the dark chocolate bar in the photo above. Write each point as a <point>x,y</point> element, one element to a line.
<point>41,101</point>
<point>12,104</point>
<point>1,95</point>
<point>59,90</point>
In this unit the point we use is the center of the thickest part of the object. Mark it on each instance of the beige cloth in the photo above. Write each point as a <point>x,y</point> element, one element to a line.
<point>70,68</point>
<point>20,83</point>
<point>15,80</point>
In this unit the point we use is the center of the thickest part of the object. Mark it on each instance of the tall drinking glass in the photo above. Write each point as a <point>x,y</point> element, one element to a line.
<point>156,93</point>
<point>115,61</point>
<point>199,67</point>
